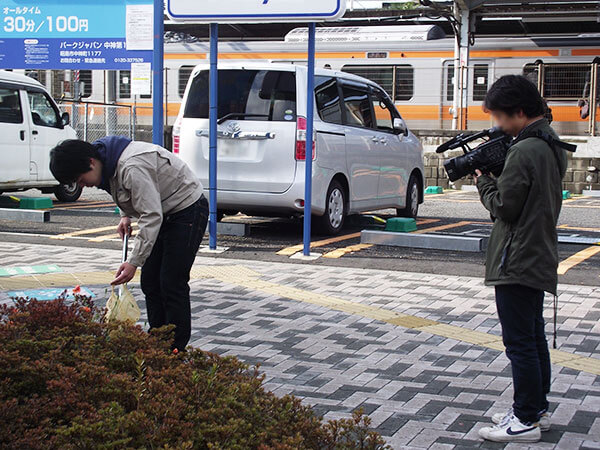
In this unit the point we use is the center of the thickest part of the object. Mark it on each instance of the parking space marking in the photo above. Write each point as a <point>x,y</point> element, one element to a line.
<point>87,205</point>
<point>577,258</point>
<point>339,252</point>
<point>107,237</point>
<point>247,278</point>
<point>568,227</point>
<point>462,223</point>
<point>289,251</point>
<point>87,231</point>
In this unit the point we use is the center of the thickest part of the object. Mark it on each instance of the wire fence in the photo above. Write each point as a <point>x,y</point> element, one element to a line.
<point>93,120</point>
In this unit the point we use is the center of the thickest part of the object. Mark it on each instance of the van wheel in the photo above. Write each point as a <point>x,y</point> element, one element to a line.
<point>412,200</point>
<point>68,192</point>
<point>335,210</point>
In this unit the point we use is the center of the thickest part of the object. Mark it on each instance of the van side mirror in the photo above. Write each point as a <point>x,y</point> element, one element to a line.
<point>65,119</point>
<point>400,126</point>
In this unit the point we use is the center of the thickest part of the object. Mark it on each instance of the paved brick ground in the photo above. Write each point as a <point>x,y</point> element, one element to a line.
<point>421,390</point>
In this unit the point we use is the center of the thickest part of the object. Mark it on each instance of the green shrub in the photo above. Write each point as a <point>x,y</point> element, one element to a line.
<point>68,380</point>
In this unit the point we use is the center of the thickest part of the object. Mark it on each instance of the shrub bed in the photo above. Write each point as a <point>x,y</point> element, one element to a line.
<point>68,380</point>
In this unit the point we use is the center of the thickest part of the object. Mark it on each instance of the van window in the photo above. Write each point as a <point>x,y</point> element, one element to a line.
<point>328,100</point>
<point>43,112</point>
<point>357,106</point>
<point>384,111</point>
<point>10,106</point>
<point>258,94</point>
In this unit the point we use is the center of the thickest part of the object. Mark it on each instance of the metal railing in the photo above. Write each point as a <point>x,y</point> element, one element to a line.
<point>93,120</point>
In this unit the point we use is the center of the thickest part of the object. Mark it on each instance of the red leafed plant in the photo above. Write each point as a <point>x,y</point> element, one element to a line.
<point>68,380</point>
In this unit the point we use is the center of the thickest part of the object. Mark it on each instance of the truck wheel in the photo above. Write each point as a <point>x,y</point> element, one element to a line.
<point>68,192</point>
<point>335,210</point>
<point>412,199</point>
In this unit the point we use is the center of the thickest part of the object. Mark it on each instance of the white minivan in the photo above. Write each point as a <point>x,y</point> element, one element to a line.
<point>30,125</point>
<point>365,158</point>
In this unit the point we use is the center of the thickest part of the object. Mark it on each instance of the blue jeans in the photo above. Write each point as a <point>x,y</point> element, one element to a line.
<point>520,311</point>
<point>166,273</point>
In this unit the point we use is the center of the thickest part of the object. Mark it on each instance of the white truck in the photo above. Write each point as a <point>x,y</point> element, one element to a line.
<point>30,125</point>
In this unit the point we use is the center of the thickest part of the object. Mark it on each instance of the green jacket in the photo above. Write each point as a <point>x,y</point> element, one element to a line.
<point>525,202</point>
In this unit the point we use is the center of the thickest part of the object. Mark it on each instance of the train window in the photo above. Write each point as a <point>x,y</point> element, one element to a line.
<point>480,81</point>
<point>184,76</point>
<point>125,85</point>
<point>450,82</point>
<point>85,77</point>
<point>328,99</point>
<point>36,74</point>
<point>10,106</point>
<point>58,78</point>
<point>405,80</point>
<point>260,94</point>
<point>382,75</point>
<point>560,81</point>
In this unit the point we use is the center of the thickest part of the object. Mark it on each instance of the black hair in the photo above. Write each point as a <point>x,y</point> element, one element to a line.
<point>513,93</point>
<point>71,158</point>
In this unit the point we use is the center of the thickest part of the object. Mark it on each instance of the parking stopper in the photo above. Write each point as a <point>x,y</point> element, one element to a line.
<point>434,190</point>
<point>566,194</point>
<point>401,224</point>
<point>35,203</point>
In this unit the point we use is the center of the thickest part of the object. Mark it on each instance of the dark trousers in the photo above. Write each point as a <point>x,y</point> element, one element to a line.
<point>520,312</point>
<point>166,273</point>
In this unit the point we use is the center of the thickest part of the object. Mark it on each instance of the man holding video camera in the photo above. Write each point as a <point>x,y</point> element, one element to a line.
<point>522,255</point>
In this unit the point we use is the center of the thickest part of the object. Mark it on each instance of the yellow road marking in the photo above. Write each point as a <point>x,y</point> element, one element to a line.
<point>88,205</point>
<point>88,231</point>
<point>568,227</point>
<point>339,252</point>
<point>444,227</point>
<point>289,251</point>
<point>248,278</point>
<point>106,237</point>
<point>577,258</point>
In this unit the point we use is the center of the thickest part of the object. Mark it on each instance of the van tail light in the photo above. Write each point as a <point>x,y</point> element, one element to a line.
<point>176,132</point>
<point>301,140</point>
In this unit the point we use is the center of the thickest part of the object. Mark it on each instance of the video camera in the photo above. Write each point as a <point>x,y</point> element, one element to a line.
<point>488,157</point>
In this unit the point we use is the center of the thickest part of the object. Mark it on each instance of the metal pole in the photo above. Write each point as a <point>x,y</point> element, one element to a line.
<point>593,98</point>
<point>157,73</point>
<point>212,135</point>
<point>310,75</point>
<point>85,123</point>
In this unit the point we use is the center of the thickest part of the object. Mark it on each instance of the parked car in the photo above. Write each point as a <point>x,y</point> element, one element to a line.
<point>30,125</point>
<point>365,158</point>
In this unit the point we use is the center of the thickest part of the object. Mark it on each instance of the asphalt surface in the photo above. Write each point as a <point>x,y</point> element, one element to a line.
<point>89,222</point>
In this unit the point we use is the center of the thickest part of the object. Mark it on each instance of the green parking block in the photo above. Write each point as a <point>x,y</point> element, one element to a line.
<point>434,190</point>
<point>35,203</point>
<point>117,210</point>
<point>401,225</point>
<point>566,195</point>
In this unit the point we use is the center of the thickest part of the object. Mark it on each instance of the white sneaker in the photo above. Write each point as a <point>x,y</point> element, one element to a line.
<point>511,429</point>
<point>544,421</point>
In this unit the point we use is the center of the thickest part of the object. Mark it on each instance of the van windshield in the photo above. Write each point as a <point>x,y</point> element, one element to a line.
<point>263,95</point>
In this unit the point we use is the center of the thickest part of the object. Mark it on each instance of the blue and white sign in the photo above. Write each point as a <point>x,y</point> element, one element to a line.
<point>245,11</point>
<point>64,34</point>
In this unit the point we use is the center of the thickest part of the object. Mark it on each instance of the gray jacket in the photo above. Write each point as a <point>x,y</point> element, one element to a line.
<point>150,183</point>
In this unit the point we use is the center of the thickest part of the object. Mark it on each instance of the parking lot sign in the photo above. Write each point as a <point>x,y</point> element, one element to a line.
<point>245,11</point>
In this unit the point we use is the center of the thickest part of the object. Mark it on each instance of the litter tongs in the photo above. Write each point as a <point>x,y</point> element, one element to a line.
<point>124,257</point>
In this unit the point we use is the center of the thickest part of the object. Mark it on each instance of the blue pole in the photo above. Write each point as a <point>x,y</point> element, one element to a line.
<point>157,73</point>
<point>309,136</point>
<point>212,136</point>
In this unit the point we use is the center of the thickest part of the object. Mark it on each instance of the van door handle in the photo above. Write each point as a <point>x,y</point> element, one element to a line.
<point>383,140</point>
<point>34,132</point>
<point>375,139</point>
<point>22,134</point>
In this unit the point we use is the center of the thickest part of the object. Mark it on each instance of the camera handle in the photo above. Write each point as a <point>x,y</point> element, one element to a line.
<point>463,139</point>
